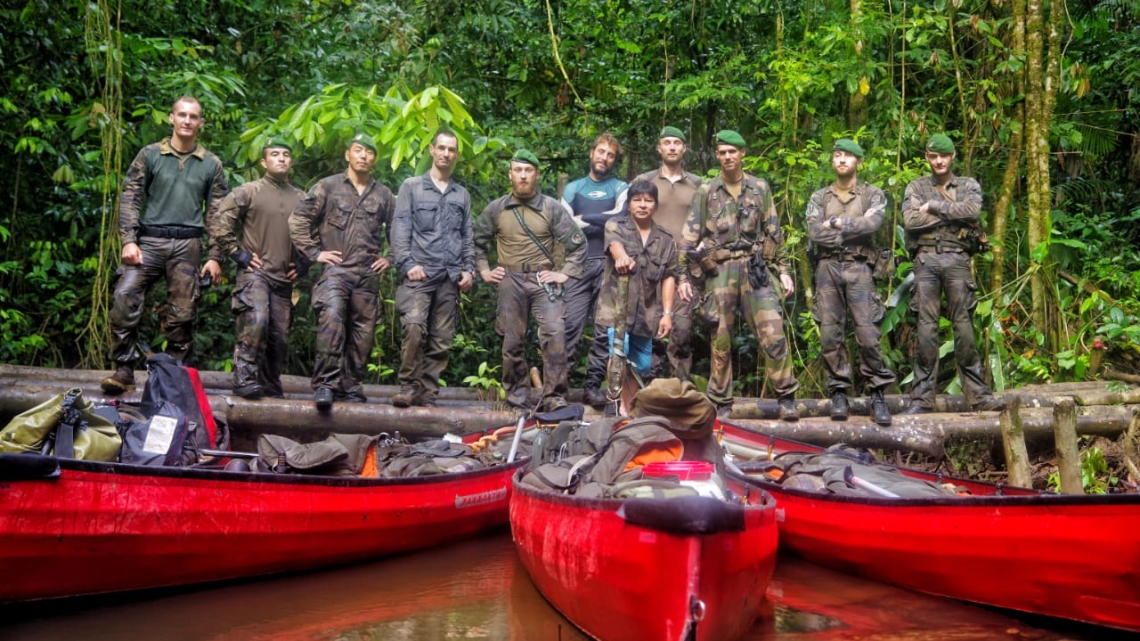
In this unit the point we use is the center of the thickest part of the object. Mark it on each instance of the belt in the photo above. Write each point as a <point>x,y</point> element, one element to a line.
<point>526,269</point>
<point>941,249</point>
<point>170,232</point>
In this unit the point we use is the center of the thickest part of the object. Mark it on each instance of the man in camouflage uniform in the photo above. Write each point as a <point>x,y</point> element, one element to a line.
<point>735,226</point>
<point>842,220</point>
<point>592,200</point>
<point>433,252</point>
<point>938,212</point>
<point>168,188</point>
<point>676,189</point>
<point>526,226</point>
<point>262,298</point>
<point>341,224</point>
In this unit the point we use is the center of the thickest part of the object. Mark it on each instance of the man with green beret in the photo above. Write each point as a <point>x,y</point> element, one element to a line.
<point>538,248</point>
<point>842,220</point>
<point>940,212</point>
<point>262,303</point>
<point>675,191</point>
<point>434,255</point>
<point>734,224</point>
<point>170,192</point>
<point>592,201</point>
<point>342,224</point>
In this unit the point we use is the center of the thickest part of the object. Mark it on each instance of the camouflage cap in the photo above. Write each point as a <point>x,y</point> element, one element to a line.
<point>276,143</point>
<point>364,140</point>
<point>848,145</point>
<point>526,156</point>
<point>729,137</point>
<point>940,144</point>
<point>672,132</point>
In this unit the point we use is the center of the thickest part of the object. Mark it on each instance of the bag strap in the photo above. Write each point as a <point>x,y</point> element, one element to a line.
<point>522,223</point>
<point>68,424</point>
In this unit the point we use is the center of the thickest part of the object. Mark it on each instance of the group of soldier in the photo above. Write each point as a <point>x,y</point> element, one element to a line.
<point>642,260</point>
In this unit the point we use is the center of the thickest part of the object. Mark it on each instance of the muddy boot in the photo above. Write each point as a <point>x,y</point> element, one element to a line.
<point>123,380</point>
<point>406,397</point>
<point>839,406</point>
<point>788,410</point>
<point>879,412</point>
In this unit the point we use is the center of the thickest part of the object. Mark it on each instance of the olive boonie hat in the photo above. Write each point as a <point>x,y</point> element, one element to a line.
<point>730,137</point>
<point>672,132</point>
<point>364,140</point>
<point>940,144</point>
<point>526,156</point>
<point>848,145</point>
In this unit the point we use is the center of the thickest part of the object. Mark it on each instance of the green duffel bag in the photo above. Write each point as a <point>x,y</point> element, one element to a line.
<point>77,430</point>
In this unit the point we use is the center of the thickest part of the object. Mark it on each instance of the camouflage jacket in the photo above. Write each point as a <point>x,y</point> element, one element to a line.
<point>656,262</point>
<point>718,220</point>
<point>258,211</point>
<point>546,219</point>
<point>334,217</point>
<point>165,188</point>
<point>862,212</point>
<point>962,209</point>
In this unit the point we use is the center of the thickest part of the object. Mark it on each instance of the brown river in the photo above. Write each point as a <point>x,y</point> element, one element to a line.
<point>479,590</point>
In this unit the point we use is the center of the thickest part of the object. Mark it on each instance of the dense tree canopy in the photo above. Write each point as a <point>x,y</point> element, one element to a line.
<point>1042,98</point>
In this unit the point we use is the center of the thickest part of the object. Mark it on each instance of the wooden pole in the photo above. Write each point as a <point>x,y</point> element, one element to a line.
<point>1068,452</point>
<point>1013,442</point>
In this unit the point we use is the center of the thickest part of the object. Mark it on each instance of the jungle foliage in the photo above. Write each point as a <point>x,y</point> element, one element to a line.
<point>1043,100</point>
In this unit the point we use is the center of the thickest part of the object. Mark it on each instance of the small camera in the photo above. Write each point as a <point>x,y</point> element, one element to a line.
<point>205,281</point>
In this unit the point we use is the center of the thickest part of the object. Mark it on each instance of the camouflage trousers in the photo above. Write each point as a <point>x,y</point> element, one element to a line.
<point>347,304</point>
<point>176,260</point>
<point>933,273</point>
<point>730,290</point>
<point>580,296</point>
<point>428,312</point>
<point>263,309</point>
<point>679,349</point>
<point>842,286</point>
<point>521,296</point>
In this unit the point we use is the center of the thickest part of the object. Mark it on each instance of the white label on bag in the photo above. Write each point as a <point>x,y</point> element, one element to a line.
<point>160,435</point>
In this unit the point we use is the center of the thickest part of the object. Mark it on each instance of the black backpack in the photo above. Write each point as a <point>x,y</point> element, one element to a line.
<point>169,382</point>
<point>159,440</point>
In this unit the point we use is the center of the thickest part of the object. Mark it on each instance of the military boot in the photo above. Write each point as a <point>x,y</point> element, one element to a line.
<point>879,412</point>
<point>839,406</point>
<point>122,380</point>
<point>406,397</point>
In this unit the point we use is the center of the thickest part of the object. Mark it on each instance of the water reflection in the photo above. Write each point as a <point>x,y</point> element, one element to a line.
<point>479,590</point>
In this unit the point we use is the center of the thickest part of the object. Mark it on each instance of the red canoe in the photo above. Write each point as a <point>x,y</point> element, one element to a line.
<point>627,570</point>
<point>106,527</point>
<point>1069,556</point>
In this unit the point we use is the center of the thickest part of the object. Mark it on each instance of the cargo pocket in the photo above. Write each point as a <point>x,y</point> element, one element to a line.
<point>240,302</point>
<point>424,217</point>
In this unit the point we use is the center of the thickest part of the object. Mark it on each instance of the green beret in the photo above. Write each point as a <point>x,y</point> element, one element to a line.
<point>672,132</point>
<point>364,140</point>
<point>729,137</point>
<point>275,143</point>
<point>526,156</point>
<point>848,145</point>
<point>940,144</point>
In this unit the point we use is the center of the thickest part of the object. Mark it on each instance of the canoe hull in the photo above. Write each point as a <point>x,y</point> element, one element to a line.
<point>105,527</point>
<point>1074,557</point>
<point>620,581</point>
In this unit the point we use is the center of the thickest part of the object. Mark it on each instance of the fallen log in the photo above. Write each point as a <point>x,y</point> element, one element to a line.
<point>925,433</point>
<point>297,419</point>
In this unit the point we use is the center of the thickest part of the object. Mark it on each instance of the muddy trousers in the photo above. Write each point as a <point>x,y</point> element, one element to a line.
<point>521,296</point>
<point>842,287</point>
<point>263,309</point>
<point>428,312</point>
<point>933,273</point>
<point>347,304</point>
<point>175,260</point>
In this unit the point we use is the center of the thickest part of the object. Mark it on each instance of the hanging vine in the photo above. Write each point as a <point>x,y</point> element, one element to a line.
<point>104,52</point>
